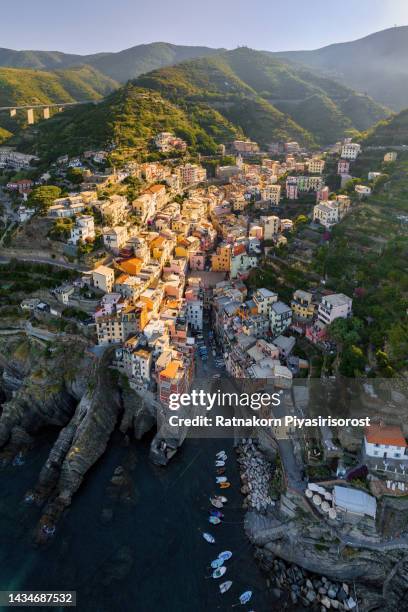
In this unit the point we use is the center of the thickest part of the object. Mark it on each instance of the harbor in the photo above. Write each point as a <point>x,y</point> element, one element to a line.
<point>143,548</point>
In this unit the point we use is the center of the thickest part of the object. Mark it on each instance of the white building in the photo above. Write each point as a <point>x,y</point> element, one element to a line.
<point>24,213</point>
<point>84,229</point>
<point>350,150</point>
<point>137,363</point>
<point>385,442</point>
<point>333,307</point>
<point>103,278</point>
<point>264,299</point>
<point>271,226</point>
<point>15,160</point>
<point>194,313</point>
<point>373,175</point>
<point>362,190</point>
<point>326,214</point>
<point>115,238</point>
<point>280,315</point>
<point>354,501</point>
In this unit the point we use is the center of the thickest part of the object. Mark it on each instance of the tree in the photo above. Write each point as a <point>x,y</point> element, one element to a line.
<point>75,175</point>
<point>42,198</point>
<point>352,361</point>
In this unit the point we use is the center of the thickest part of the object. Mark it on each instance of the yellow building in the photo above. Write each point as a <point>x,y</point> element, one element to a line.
<point>221,260</point>
<point>301,304</point>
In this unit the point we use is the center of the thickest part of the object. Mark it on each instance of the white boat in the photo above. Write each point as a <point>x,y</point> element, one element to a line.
<point>225,555</point>
<point>220,479</point>
<point>214,520</point>
<point>245,597</point>
<point>222,452</point>
<point>217,563</point>
<point>221,498</point>
<point>208,538</point>
<point>219,463</point>
<point>217,503</point>
<point>225,586</point>
<point>220,571</point>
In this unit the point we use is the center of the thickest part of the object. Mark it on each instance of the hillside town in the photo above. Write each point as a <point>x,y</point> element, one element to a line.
<point>185,255</point>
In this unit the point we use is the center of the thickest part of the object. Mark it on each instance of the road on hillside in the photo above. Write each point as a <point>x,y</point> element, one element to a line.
<point>40,260</point>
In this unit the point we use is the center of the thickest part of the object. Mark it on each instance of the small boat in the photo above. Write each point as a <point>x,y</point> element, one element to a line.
<point>219,463</point>
<point>221,498</point>
<point>217,563</point>
<point>19,460</point>
<point>225,586</point>
<point>245,597</point>
<point>220,479</point>
<point>49,530</point>
<point>220,453</point>
<point>220,471</point>
<point>220,571</point>
<point>225,485</point>
<point>216,513</point>
<point>225,555</point>
<point>217,503</point>
<point>208,538</point>
<point>214,520</point>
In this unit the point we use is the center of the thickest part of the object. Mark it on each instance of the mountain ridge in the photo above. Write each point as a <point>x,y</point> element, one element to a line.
<point>376,64</point>
<point>244,77</point>
<point>119,65</point>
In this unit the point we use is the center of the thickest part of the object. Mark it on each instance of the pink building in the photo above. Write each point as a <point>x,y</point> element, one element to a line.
<point>322,195</point>
<point>111,303</point>
<point>197,261</point>
<point>343,167</point>
<point>291,188</point>
<point>316,332</point>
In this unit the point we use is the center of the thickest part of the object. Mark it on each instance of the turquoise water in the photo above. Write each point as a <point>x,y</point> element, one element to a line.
<point>151,556</point>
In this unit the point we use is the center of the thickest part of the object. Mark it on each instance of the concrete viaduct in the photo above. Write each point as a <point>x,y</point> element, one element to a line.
<point>45,108</point>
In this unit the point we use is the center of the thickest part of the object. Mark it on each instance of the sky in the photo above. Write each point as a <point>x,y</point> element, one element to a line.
<point>90,26</point>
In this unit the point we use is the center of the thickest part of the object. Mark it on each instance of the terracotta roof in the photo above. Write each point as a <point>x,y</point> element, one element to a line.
<point>172,369</point>
<point>380,434</point>
<point>131,266</point>
<point>155,188</point>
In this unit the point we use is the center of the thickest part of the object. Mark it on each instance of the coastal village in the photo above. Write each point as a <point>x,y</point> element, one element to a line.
<point>167,260</point>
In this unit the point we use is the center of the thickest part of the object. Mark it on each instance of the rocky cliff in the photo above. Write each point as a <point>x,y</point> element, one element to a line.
<point>65,386</point>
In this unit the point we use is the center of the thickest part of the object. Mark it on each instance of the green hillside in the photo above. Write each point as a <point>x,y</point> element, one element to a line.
<point>129,117</point>
<point>212,82</point>
<point>207,100</point>
<point>19,86</point>
<point>292,102</point>
<point>393,131</point>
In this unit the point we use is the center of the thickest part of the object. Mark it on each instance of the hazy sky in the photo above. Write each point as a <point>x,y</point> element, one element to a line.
<point>88,26</point>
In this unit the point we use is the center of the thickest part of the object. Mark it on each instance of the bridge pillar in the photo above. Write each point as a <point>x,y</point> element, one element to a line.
<point>30,116</point>
<point>13,112</point>
<point>46,113</point>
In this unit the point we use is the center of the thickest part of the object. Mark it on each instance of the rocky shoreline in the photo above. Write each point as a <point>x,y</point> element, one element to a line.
<point>304,588</point>
<point>256,473</point>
